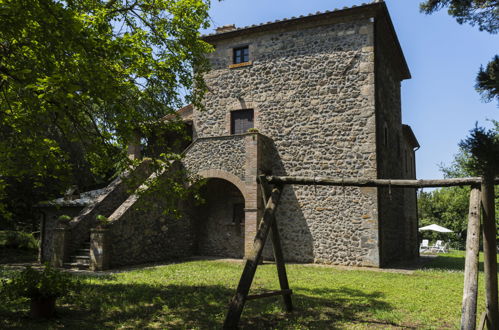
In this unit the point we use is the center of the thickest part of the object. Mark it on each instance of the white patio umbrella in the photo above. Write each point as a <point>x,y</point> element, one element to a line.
<point>435,227</point>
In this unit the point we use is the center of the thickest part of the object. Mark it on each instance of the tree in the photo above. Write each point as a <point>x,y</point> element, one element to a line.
<point>484,14</point>
<point>487,81</point>
<point>449,206</point>
<point>78,78</point>
<point>482,146</point>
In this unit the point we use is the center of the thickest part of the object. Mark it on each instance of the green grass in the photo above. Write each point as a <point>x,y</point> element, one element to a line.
<point>195,295</point>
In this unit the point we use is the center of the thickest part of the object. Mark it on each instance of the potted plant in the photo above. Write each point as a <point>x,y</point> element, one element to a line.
<point>42,287</point>
<point>102,221</point>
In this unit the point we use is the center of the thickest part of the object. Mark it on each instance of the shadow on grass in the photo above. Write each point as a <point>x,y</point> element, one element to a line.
<point>449,262</point>
<point>112,305</point>
<point>13,255</point>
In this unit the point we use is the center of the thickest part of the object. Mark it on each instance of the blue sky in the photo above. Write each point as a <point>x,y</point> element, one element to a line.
<point>439,102</point>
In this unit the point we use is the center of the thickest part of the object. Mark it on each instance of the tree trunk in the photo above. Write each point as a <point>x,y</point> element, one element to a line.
<point>490,250</point>
<point>468,318</point>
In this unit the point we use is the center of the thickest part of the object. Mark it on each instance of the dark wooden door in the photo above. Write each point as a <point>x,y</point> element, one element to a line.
<point>241,121</point>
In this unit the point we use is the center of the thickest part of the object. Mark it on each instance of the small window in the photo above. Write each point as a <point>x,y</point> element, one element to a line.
<point>406,162</point>
<point>241,55</point>
<point>398,145</point>
<point>241,121</point>
<point>238,214</point>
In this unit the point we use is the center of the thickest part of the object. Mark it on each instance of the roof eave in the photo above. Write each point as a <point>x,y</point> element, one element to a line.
<point>405,72</point>
<point>372,10</point>
<point>369,10</point>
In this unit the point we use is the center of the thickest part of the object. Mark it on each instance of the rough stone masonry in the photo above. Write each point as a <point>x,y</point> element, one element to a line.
<point>325,89</point>
<point>311,96</point>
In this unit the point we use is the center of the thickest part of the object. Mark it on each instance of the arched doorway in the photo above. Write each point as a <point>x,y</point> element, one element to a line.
<point>219,221</point>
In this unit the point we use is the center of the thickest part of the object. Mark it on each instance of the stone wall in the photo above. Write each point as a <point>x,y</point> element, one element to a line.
<point>312,92</point>
<point>411,244</point>
<point>226,153</point>
<point>51,216</point>
<point>116,193</point>
<point>140,232</point>
<point>395,216</point>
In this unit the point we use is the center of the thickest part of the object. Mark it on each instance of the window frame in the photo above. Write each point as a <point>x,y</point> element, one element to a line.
<point>232,120</point>
<point>239,52</point>
<point>236,208</point>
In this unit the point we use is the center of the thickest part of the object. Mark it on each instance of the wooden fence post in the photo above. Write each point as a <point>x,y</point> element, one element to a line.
<point>490,251</point>
<point>237,303</point>
<point>277,248</point>
<point>470,291</point>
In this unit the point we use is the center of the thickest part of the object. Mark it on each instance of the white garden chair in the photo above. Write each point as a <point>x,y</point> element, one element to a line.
<point>424,246</point>
<point>439,247</point>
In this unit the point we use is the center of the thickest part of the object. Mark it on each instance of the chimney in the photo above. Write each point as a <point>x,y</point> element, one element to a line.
<point>225,28</point>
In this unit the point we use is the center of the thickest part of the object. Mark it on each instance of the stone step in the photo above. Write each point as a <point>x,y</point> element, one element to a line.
<point>83,252</point>
<point>76,265</point>
<point>84,260</point>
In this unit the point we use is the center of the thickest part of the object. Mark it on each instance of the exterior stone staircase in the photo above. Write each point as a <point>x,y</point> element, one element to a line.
<point>81,259</point>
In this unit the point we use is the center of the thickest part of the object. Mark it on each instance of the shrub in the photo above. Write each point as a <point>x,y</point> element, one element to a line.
<point>17,239</point>
<point>38,284</point>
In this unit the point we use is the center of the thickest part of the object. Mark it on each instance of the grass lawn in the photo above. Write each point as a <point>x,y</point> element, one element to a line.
<point>195,294</point>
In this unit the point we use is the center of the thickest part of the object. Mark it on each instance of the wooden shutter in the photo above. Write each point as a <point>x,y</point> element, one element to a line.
<point>241,121</point>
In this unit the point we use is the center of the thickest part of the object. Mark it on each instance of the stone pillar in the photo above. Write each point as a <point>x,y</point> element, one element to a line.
<point>41,250</point>
<point>253,195</point>
<point>99,254</point>
<point>60,244</point>
<point>133,150</point>
<point>250,228</point>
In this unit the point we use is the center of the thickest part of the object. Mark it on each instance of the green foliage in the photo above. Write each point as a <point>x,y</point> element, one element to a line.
<point>484,13</point>
<point>459,168</point>
<point>483,148</point>
<point>103,221</point>
<point>36,284</point>
<point>17,239</point>
<point>487,80</point>
<point>79,78</point>
<point>64,218</point>
<point>447,207</point>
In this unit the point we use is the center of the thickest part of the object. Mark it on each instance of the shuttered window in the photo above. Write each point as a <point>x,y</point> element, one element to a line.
<point>241,121</point>
<point>241,55</point>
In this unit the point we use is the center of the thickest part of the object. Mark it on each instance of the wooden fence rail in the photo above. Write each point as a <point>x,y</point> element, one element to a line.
<point>359,182</point>
<point>480,198</point>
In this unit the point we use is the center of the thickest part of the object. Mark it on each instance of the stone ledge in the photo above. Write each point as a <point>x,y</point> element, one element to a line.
<point>240,65</point>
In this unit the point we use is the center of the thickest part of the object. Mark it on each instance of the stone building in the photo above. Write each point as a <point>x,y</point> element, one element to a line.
<point>317,95</point>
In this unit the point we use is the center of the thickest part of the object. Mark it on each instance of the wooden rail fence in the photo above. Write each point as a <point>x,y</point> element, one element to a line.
<point>481,198</point>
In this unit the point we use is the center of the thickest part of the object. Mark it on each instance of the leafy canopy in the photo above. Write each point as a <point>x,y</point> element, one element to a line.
<point>78,78</point>
<point>482,146</point>
<point>449,206</point>
<point>484,14</point>
<point>487,80</point>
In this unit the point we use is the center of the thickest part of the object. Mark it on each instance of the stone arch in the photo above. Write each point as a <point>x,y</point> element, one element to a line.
<point>220,221</point>
<point>219,174</point>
